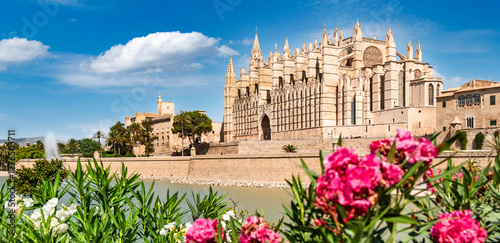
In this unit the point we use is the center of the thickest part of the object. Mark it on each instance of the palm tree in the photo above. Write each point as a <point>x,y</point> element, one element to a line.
<point>136,130</point>
<point>39,145</point>
<point>184,119</point>
<point>99,135</point>
<point>61,147</point>
<point>4,156</point>
<point>72,145</point>
<point>114,138</point>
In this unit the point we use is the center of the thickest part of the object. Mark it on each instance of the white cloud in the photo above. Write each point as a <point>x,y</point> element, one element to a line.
<point>166,50</point>
<point>19,50</point>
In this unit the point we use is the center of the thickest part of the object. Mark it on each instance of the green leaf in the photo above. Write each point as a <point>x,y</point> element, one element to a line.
<point>403,219</point>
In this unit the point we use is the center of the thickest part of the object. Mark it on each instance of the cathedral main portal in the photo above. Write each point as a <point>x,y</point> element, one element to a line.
<point>266,128</point>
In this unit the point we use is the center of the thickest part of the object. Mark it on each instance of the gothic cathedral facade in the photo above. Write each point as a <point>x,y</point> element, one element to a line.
<point>354,86</point>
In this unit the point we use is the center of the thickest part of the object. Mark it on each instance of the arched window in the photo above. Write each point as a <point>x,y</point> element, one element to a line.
<point>477,99</point>
<point>461,100</point>
<point>382,92</point>
<point>438,90</point>
<point>431,94</point>
<point>401,89</point>
<point>468,100</point>
<point>353,111</point>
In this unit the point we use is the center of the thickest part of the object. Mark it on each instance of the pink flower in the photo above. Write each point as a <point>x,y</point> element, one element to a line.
<point>458,227</point>
<point>257,230</point>
<point>202,231</point>
<point>372,164</point>
<point>359,178</point>
<point>356,207</point>
<point>339,160</point>
<point>403,135</point>
<point>427,151</point>
<point>391,173</point>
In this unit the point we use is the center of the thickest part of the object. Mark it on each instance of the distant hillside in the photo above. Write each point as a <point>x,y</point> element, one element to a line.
<point>24,141</point>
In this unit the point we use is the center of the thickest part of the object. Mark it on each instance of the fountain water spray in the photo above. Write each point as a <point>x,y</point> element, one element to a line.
<point>51,151</point>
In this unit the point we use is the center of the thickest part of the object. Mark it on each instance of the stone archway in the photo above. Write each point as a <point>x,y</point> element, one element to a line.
<point>265,126</point>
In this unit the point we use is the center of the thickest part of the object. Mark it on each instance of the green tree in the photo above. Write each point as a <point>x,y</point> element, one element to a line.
<point>61,147</point>
<point>4,156</point>
<point>147,136</point>
<point>72,145</point>
<point>39,145</point>
<point>87,147</point>
<point>182,124</point>
<point>31,152</point>
<point>99,135</point>
<point>5,153</point>
<point>29,180</point>
<point>122,140</point>
<point>114,139</point>
<point>191,124</point>
<point>136,134</point>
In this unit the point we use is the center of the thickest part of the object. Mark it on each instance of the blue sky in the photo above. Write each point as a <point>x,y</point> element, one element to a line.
<point>72,67</point>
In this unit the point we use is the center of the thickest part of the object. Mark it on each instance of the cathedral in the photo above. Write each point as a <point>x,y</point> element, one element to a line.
<point>350,86</point>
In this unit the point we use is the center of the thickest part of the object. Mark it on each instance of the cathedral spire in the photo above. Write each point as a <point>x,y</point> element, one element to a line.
<point>335,37</point>
<point>304,47</point>
<point>315,44</point>
<point>418,54</point>
<point>286,50</point>
<point>256,52</point>
<point>341,36</point>
<point>390,46</point>
<point>409,50</point>
<point>231,74</point>
<point>329,39</point>
<point>324,38</point>
<point>357,31</point>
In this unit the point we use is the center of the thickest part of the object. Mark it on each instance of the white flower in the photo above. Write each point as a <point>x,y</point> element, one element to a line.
<point>163,231</point>
<point>188,225</point>
<point>223,224</point>
<point>61,228</point>
<point>53,222</point>
<point>52,202</point>
<point>28,202</point>
<point>228,215</point>
<point>36,215</point>
<point>170,226</point>
<point>48,210</point>
<point>62,214</point>
<point>72,209</point>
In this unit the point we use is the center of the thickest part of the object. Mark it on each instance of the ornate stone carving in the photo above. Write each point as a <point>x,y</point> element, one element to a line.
<point>372,56</point>
<point>418,73</point>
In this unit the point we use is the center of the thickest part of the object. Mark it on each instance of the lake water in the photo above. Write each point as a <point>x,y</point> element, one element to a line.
<point>266,201</point>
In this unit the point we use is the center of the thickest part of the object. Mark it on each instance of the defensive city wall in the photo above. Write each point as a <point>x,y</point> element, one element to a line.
<point>269,170</point>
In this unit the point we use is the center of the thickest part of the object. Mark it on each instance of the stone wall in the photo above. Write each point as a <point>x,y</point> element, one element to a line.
<point>268,170</point>
<point>244,170</point>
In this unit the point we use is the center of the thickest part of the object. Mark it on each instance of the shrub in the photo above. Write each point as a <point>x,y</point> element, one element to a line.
<point>28,180</point>
<point>130,154</point>
<point>496,134</point>
<point>289,148</point>
<point>462,139</point>
<point>479,140</point>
